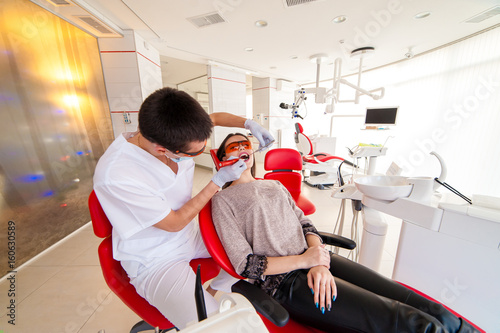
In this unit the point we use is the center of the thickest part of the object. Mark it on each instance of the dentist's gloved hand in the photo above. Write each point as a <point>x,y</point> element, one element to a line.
<point>259,132</point>
<point>229,173</point>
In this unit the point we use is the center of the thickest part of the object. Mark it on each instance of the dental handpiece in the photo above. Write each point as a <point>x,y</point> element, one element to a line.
<point>228,162</point>
<point>234,160</point>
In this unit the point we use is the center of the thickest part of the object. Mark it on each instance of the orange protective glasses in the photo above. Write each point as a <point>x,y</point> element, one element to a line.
<point>234,146</point>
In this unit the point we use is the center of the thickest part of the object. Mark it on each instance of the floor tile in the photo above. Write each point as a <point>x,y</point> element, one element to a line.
<point>88,257</point>
<point>112,315</point>
<point>64,303</point>
<point>67,250</point>
<point>27,281</point>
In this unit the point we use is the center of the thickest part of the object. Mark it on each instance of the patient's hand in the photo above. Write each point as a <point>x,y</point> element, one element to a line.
<point>316,255</point>
<point>323,286</point>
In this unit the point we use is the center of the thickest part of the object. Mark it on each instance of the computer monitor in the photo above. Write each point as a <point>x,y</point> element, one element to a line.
<point>385,116</point>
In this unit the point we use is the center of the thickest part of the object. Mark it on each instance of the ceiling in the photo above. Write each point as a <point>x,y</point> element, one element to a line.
<point>294,33</point>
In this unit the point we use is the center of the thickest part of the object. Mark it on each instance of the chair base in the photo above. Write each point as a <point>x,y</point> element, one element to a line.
<point>320,184</point>
<point>144,326</point>
<point>141,326</point>
<point>319,179</point>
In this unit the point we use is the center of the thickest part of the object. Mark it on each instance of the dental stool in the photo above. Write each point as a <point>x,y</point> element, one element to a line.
<point>320,169</point>
<point>118,281</point>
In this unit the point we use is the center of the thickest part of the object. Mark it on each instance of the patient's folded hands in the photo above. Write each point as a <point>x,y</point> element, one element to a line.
<point>316,255</point>
<point>322,285</point>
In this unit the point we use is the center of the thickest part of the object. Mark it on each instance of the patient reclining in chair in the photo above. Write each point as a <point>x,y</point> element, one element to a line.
<point>270,241</point>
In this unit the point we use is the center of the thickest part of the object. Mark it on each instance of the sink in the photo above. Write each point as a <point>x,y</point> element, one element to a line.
<point>387,188</point>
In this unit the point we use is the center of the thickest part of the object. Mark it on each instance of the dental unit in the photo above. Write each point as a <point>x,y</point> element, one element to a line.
<point>449,245</point>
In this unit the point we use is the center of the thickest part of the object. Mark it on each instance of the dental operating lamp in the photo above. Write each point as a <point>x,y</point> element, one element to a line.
<point>295,105</point>
<point>323,96</point>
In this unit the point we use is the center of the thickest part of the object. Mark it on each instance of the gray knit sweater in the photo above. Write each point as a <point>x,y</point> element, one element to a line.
<point>257,220</point>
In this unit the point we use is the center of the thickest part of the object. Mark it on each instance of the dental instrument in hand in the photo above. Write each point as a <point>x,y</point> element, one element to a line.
<point>222,164</point>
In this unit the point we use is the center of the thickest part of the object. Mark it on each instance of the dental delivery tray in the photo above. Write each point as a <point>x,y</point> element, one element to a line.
<point>364,150</point>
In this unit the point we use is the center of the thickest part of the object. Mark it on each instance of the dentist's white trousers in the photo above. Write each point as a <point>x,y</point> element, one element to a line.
<point>170,287</point>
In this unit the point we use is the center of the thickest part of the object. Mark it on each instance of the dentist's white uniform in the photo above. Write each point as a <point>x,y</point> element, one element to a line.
<point>136,191</point>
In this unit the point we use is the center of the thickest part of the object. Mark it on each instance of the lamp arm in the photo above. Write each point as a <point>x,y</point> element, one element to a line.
<point>364,91</point>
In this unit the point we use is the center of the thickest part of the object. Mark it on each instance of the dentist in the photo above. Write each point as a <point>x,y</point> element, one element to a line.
<point>144,183</point>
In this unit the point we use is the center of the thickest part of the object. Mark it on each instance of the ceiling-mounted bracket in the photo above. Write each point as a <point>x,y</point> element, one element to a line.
<point>359,53</point>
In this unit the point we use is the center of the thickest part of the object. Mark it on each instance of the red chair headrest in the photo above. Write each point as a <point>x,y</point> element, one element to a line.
<point>283,159</point>
<point>100,223</point>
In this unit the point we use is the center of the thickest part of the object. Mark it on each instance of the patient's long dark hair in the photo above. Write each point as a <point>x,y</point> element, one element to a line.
<point>221,153</point>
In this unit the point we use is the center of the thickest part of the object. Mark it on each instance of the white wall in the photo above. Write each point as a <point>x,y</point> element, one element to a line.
<point>227,93</point>
<point>267,95</point>
<point>449,102</point>
<point>132,72</point>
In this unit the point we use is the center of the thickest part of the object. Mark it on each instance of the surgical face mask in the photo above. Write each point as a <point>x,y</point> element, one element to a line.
<point>179,159</point>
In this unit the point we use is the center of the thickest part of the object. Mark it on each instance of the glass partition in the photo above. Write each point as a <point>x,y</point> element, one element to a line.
<point>55,125</point>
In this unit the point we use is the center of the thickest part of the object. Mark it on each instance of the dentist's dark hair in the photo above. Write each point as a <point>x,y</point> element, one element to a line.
<point>173,119</point>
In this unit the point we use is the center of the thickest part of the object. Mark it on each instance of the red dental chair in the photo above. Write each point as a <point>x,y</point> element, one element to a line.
<point>305,146</point>
<point>217,251</point>
<point>322,166</point>
<point>118,281</point>
<point>285,165</point>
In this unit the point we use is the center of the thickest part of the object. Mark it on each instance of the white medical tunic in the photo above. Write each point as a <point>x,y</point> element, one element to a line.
<point>136,191</point>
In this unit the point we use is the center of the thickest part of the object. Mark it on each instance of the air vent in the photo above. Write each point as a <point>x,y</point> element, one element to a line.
<point>60,2</point>
<point>292,3</point>
<point>96,25</point>
<point>206,20</point>
<point>484,15</point>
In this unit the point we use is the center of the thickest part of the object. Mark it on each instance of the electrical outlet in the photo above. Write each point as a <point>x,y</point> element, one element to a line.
<point>126,118</point>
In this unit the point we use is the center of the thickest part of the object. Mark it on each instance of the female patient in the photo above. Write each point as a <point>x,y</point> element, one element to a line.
<point>270,241</point>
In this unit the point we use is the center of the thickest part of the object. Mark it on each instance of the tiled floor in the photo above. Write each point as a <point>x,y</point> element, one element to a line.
<point>63,291</point>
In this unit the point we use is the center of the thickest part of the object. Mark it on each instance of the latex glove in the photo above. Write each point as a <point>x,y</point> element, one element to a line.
<point>229,173</point>
<point>259,132</point>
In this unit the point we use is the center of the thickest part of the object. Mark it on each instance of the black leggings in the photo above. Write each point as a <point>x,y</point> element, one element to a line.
<point>366,302</point>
